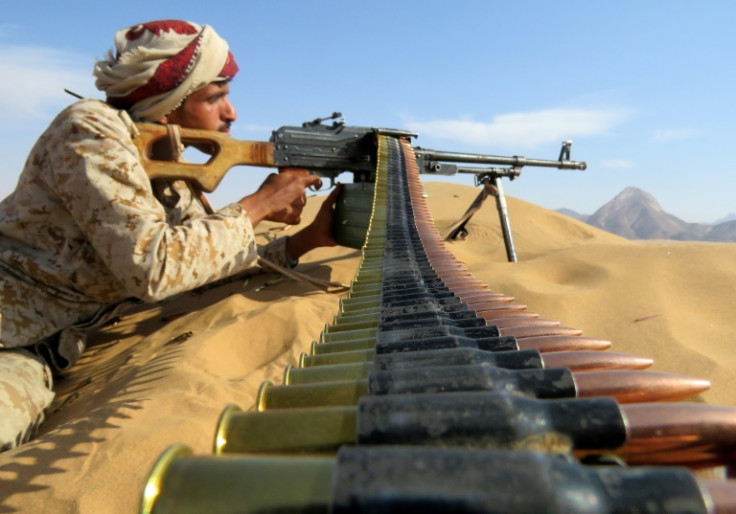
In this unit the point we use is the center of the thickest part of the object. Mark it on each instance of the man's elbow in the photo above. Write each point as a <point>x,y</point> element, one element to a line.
<point>153,289</point>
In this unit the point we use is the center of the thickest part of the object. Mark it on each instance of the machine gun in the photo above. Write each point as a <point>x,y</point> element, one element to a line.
<point>326,149</point>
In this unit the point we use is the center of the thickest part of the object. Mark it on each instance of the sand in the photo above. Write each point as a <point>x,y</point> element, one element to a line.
<point>163,374</point>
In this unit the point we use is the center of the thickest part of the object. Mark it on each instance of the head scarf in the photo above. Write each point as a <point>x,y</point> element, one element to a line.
<point>156,65</point>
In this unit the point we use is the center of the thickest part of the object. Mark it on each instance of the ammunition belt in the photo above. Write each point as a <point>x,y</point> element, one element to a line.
<point>429,392</point>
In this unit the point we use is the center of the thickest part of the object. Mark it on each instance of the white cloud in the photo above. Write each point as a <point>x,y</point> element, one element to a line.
<point>34,79</point>
<point>675,134</point>
<point>617,164</point>
<point>524,129</point>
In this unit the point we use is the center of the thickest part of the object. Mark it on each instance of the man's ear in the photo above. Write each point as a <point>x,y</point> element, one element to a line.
<point>163,120</point>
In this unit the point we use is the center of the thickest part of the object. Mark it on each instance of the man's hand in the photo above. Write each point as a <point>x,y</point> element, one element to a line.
<point>319,232</point>
<point>281,197</point>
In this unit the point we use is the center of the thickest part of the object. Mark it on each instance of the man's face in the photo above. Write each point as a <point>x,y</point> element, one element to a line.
<point>208,108</point>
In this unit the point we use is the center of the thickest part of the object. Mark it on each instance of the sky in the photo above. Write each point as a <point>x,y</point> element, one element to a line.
<point>645,90</point>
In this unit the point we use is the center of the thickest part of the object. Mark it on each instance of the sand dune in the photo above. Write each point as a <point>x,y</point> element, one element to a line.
<point>670,301</point>
<point>163,374</point>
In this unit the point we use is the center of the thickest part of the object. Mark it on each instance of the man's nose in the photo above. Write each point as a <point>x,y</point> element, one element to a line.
<point>229,113</point>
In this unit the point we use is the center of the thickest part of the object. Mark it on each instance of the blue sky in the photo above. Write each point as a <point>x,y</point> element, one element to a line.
<point>644,89</point>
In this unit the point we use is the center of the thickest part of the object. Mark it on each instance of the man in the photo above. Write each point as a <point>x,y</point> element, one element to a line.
<point>85,231</point>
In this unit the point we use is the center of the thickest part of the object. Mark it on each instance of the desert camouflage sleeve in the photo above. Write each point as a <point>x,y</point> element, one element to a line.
<point>109,195</point>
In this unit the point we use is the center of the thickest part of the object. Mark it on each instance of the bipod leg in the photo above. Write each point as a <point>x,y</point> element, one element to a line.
<point>457,227</point>
<point>503,215</point>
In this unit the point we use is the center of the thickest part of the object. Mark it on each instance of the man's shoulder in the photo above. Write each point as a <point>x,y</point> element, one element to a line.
<point>90,106</point>
<point>97,116</point>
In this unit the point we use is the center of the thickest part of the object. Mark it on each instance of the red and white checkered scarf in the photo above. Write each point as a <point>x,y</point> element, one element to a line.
<point>156,65</point>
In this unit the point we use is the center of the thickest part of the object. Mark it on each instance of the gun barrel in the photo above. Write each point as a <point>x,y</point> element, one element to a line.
<point>516,160</point>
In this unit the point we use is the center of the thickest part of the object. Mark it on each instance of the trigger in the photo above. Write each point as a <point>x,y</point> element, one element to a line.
<point>332,184</point>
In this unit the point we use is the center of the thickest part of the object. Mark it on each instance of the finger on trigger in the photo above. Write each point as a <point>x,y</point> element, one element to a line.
<point>313,180</point>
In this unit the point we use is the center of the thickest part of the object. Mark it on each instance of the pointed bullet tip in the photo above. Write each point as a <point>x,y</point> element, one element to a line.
<point>587,360</point>
<point>632,386</point>
<point>559,343</point>
<point>532,331</point>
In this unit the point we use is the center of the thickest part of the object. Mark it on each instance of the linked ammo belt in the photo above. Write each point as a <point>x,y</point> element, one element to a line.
<point>431,393</point>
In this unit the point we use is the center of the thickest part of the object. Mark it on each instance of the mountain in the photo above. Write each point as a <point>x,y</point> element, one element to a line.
<point>636,214</point>
<point>727,217</point>
<point>574,215</point>
<point>722,232</point>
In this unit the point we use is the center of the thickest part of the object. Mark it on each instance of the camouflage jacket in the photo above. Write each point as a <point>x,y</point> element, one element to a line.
<point>86,229</point>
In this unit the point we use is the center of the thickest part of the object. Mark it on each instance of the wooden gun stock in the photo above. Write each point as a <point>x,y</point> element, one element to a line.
<point>225,152</point>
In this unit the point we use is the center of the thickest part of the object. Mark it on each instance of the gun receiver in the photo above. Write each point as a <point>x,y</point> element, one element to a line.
<point>328,150</point>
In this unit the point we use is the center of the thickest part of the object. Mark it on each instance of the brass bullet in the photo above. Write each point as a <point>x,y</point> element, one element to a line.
<point>682,434</point>
<point>520,332</point>
<point>509,323</point>
<point>551,343</point>
<point>508,314</point>
<point>558,343</point>
<point>595,360</point>
<point>631,386</point>
<point>372,317</point>
<point>535,331</point>
<point>393,479</point>
<point>666,433</point>
<point>574,360</point>
<point>625,386</point>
